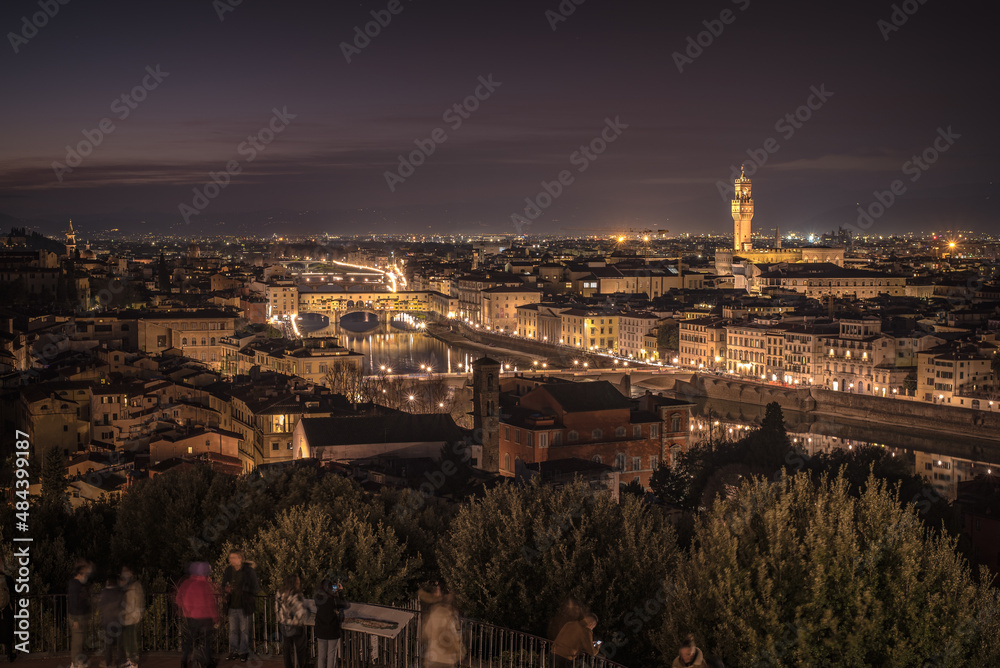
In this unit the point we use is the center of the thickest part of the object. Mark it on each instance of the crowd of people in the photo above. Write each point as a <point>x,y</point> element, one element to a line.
<point>572,634</point>
<point>121,604</point>
<point>197,600</point>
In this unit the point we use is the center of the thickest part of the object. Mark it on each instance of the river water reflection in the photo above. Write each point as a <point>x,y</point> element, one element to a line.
<point>945,459</point>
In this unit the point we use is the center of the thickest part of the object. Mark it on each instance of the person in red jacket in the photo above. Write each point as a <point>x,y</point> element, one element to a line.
<point>198,606</point>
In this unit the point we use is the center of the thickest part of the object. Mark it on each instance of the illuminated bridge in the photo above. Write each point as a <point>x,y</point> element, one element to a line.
<point>392,276</point>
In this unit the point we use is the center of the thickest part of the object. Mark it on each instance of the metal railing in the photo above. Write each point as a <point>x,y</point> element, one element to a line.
<point>160,630</point>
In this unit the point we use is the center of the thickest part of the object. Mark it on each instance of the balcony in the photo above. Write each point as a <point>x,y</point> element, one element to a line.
<point>486,645</point>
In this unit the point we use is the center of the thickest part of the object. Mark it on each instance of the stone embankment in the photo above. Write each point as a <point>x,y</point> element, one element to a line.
<point>832,405</point>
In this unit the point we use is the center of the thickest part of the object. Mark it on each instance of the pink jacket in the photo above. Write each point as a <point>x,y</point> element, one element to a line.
<point>196,599</point>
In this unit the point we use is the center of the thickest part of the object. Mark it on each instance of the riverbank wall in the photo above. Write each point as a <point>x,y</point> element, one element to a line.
<point>832,406</point>
<point>555,356</point>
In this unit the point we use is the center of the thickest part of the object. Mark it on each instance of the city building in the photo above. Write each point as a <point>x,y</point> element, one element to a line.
<point>500,304</point>
<point>632,330</point>
<point>589,329</point>
<point>702,342</point>
<point>591,421</point>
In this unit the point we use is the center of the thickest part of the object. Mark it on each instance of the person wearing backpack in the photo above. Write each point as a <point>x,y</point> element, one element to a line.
<point>110,604</point>
<point>135,601</point>
<point>7,611</point>
<point>292,614</point>
<point>329,616</point>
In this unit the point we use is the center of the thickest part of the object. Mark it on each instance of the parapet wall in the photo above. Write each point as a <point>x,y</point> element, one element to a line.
<point>915,415</point>
<point>746,392</point>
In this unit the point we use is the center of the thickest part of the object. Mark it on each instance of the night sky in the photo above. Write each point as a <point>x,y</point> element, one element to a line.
<point>607,60</point>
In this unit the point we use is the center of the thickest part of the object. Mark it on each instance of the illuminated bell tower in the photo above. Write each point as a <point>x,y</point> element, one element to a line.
<point>70,241</point>
<point>486,411</point>
<point>742,214</point>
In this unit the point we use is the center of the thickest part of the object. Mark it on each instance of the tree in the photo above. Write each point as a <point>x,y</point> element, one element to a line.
<point>456,467</point>
<point>513,556</point>
<point>634,489</point>
<point>308,541</point>
<point>767,446</point>
<point>162,274</point>
<point>163,523</point>
<point>667,333</point>
<point>670,485</point>
<point>345,378</point>
<point>53,479</point>
<point>816,576</point>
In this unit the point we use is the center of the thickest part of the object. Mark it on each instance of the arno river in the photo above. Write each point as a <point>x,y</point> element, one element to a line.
<point>403,349</point>
<point>945,459</point>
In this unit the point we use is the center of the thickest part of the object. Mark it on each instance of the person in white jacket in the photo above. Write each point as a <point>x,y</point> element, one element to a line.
<point>292,615</point>
<point>134,602</point>
<point>442,637</point>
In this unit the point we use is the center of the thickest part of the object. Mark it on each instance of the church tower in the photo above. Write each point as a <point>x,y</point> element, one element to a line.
<point>486,410</point>
<point>70,241</point>
<point>742,214</point>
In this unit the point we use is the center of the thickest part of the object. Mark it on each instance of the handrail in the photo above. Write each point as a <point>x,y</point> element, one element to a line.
<point>486,645</point>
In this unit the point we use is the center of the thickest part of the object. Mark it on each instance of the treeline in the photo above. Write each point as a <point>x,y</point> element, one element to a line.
<point>794,565</point>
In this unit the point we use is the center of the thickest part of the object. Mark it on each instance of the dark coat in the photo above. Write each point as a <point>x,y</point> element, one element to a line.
<point>111,605</point>
<point>250,587</point>
<point>77,598</point>
<point>328,616</point>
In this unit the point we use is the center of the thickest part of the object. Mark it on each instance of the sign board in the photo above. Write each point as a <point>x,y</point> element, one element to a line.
<point>371,619</point>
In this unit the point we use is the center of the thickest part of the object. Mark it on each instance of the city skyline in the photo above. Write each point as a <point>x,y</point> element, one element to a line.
<point>834,104</point>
